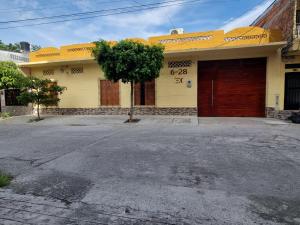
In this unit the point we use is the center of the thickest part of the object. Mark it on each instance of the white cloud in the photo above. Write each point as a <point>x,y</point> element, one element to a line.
<point>248,18</point>
<point>141,24</point>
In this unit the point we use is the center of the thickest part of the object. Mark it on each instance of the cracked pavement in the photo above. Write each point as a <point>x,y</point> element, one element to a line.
<point>162,170</point>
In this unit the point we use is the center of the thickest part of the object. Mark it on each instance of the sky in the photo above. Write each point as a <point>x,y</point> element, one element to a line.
<point>191,15</point>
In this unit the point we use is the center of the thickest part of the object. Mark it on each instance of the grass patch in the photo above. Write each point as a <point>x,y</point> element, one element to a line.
<point>5,115</point>
<point>32,120</point>
<point>5,179</point>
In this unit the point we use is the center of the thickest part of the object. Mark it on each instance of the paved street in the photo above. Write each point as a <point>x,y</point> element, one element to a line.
<point>162,170</point>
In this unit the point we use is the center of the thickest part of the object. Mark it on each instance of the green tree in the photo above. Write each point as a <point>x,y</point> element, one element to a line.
<point>11,76</point>
<point>10,47</point>
<point>40,92</point>
<point>129,61</point>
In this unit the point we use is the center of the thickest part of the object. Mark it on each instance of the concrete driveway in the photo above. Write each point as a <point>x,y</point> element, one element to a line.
<point>98,170</point>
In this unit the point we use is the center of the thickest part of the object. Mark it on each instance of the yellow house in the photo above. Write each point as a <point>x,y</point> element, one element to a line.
<point>238,73</point>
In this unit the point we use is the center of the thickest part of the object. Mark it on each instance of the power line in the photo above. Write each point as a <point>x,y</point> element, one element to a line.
<point>108,14</point>
<point>106,10</point>
<point>60,6</point>
<point>169,18</point>
<point>88,12</point>
<point>26,9</point>
<point>130,9</point>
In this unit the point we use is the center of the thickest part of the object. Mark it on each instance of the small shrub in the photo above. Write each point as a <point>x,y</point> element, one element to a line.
<point>4,179</point>
<point>5,115</point>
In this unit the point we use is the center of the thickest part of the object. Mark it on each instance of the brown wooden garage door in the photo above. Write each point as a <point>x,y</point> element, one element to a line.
<point>109,93</point>
<point>232,88</point>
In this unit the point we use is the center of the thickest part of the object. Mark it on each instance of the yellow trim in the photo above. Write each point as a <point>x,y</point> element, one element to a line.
<point>187,41</point>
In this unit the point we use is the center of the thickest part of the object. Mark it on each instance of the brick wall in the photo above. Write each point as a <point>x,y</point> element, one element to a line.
<point>121,111</point>
<point>279,16</point>
<point>17,110</point>
<point>279,114</point>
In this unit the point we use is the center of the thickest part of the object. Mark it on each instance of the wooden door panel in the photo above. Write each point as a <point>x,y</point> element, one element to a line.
<point>109,93</point>
<point>150,92</point>
<point>238,88</point>
<point>137,94</point>
<point>205,91</point>
<point>144,94</point>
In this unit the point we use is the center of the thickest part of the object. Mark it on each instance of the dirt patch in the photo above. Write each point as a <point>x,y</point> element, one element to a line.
<point>65,187</point>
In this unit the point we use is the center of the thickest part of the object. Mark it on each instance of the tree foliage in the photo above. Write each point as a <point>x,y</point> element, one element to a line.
<point>10,47</point>
<point>35,48</point>
<point>40,92</point>
<point>16,47</point>
<point>129,61</point>
<point>11,76</point>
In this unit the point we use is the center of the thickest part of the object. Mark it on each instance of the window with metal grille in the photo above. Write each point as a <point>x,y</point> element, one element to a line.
<point>292,66</point>
<point>292,91</point>
<point>184,63</point>
<point>48,72</point>
<point>298,17</point>
<point>298,23</point>
<point>11,97</point>
<point>76,70</point>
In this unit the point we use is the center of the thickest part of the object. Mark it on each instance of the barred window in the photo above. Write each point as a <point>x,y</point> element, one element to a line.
<point>176,64</point>
<point>11,97</point>
<point>76,70</point>
<point>48,72</point>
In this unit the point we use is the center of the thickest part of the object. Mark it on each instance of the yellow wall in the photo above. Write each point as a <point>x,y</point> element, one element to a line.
<point>83,90</point>
<point>209,39</point>
<point>169,93</point>
<point>275,81</point>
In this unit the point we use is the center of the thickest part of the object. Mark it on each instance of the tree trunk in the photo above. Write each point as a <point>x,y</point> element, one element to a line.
<point>38,111</point>
<point>131,101</point>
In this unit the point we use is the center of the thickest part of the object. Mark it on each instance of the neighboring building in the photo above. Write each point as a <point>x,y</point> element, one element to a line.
<point>212,73</point>
<point>8,98</point>
<point>13,56</point>
<point>16,57</point>
<point>285,16</point>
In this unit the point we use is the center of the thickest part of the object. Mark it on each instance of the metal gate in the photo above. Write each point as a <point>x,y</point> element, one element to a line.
<point>292,91</point>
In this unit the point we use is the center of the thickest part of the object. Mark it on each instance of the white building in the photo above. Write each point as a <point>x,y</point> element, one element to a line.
<point>14,56</point>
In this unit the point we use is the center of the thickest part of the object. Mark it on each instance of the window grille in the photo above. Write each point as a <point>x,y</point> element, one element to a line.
<point>176,64</point>
<point>298,23</point>
<point>76,70</point>
<point>11,97</point>
<point>48,72</point>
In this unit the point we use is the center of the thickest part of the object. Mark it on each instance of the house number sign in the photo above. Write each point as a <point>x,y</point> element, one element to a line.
<point>179,70</point>
<point>179,75</point>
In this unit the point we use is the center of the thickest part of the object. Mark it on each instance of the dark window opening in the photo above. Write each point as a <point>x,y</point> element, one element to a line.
<point>11,97</point>
<point>292,66</point>
<point>292,91</point>
<point>298,17</point>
